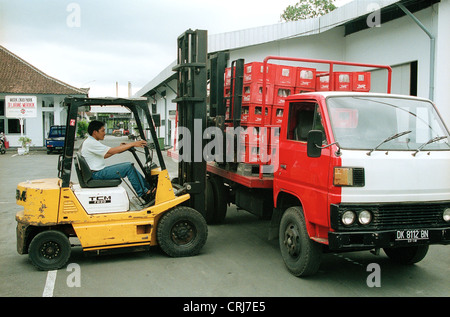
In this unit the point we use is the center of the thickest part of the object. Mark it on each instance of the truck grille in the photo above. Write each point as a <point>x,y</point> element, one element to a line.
<point>409,216</point>
<point>393,216</point>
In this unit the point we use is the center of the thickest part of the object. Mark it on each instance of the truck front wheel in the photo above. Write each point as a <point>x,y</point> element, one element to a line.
<point>407,255</point>
<point>49,250</point>
<point>301,255</point>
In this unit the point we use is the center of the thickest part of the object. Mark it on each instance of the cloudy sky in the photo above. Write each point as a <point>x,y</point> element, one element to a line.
<point>96,43</point>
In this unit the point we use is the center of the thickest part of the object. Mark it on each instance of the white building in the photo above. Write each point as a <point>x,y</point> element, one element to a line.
<point>411,36</point>
<point>19,78</point>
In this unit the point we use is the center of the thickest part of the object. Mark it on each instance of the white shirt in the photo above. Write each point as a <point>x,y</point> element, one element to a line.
<point>94,152</point>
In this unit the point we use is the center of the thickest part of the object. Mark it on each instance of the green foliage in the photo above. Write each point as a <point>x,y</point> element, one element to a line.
<point>306,9</point>
<point>82,127</point>
<point>24,140</point>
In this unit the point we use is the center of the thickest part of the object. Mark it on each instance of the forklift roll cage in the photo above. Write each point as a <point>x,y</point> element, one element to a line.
<point>136,105</point>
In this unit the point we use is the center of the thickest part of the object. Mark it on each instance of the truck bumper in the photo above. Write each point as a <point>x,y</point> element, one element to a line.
<point>386,239</point>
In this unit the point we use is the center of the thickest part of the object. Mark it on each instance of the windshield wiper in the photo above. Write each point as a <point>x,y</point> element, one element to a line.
<point>438,138</point>
<point>395,136</point>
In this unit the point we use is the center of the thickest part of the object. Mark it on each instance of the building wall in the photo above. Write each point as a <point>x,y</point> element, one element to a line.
<point>442,82</point>
<point>37,128</point>
<point>396,43</point>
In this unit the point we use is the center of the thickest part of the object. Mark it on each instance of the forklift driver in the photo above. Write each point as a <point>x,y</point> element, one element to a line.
<point>95,153</point>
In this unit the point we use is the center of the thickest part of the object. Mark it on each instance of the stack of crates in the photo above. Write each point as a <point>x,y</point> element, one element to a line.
<point>254,116</point>
<point>260,126</point>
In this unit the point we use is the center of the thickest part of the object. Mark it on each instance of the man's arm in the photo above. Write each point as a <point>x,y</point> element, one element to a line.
<point>123,147</point>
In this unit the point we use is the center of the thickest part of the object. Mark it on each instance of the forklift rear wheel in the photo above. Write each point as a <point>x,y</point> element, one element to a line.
<point>301,255</point>
<point>182,231</point>
<point>49,250</point>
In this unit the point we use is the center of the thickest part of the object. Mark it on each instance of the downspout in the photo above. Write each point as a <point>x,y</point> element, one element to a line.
<point>432,47</point>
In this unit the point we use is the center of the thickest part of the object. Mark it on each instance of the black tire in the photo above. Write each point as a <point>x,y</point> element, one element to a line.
<point>49,250</point>
<point>407,255</point>
<point>301,255</point>
<point>210,202</point>
<point>2,148</point>
<point>181,232</point>
<point>220,192</point>
<point>216,200</point>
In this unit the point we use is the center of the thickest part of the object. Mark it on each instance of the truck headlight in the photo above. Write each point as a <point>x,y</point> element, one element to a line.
<point>446,214</point>
<point>364,217</point>
<point>348,217</point>
<point>349,176</point>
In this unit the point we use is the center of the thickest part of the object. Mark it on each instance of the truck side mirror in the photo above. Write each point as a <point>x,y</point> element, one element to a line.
<point>314,143</point>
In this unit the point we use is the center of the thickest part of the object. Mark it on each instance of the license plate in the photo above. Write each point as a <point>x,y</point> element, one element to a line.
<point>412,235</point>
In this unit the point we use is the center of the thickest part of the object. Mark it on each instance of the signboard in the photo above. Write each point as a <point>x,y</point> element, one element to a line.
<point>20,107</point>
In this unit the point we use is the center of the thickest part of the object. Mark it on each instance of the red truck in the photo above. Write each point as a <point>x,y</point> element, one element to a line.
<point>343,170</point>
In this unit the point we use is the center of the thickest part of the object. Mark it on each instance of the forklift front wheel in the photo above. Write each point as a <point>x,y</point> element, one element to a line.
<point>182,231</point>
<point>49,250</point>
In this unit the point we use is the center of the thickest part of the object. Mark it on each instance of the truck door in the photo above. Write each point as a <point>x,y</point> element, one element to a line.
<point>305,177</point>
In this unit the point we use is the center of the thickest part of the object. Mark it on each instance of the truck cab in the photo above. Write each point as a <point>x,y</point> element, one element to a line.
<point>368,170</point>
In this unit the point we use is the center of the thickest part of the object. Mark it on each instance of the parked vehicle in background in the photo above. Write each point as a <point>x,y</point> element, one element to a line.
<point>4,144</point>
<point>55,139</point>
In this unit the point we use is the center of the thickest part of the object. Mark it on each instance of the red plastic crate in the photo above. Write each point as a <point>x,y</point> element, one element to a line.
<point>305,78</point>
<point>280,94</point>
<point>253,134</point>
<point>253,72</point>
<point>361,81</point>
<point>322,81</point>
<point>254,153</point>
<point>343,81</point>
<point>252,93</point>
<point>274,135</point>
<point>227,76</point>
<point>285,75</point>
<point>277,115</point>
<point>252,114</point>
<point>245,114</point>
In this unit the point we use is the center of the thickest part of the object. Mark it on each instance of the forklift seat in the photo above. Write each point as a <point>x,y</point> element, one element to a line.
<point>84,174</point>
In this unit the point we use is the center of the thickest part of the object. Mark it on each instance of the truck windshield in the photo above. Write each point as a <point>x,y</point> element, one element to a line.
<point>386,123</point>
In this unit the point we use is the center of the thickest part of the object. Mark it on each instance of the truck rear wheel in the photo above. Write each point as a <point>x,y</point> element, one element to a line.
<point>216,200</point>
<point>407,255</point>
<point>49,250</point>
<point>301,255</point>
<point>182,231</point>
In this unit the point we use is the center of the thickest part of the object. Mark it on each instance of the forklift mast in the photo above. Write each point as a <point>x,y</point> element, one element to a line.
<point>192,110</point>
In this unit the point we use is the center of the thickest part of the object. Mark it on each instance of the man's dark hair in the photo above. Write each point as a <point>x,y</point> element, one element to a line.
<point>95,126</point>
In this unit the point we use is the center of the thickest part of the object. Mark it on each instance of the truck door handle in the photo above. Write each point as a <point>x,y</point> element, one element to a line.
<point>283,166</point>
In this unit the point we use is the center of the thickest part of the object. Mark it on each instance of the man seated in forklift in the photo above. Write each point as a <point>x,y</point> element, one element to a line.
<point>95,153</point>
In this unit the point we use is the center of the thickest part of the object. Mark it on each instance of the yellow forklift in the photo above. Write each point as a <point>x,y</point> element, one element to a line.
<point>100,213</point>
